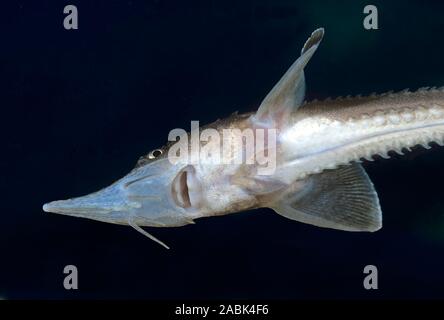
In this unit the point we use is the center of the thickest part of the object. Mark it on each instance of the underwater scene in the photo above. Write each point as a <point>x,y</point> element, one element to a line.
<point>343,197</point>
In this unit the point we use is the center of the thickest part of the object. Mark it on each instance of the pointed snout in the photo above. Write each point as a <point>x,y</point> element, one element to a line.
<point>105,205</point>
<point>143,196</point>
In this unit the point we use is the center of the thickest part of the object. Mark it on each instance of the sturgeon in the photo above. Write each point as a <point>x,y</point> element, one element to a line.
<point>318,178</point>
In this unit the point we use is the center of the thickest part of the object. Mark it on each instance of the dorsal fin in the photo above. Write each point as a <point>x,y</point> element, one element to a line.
<point>289,93</point>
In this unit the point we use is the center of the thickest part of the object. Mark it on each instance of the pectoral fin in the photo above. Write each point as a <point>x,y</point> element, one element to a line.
<point>342,199</point>
<point>288,94</point>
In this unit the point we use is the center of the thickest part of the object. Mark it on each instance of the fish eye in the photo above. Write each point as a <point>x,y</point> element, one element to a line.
<point>155,153</point>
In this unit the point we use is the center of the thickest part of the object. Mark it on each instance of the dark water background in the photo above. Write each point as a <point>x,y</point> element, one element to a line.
<point>79,107</point>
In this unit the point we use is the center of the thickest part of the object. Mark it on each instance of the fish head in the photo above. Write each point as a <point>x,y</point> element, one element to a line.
<point>163,192</point>
<point>146,196</point>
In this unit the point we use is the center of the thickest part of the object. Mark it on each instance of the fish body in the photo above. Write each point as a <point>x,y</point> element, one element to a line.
<point>306,168</point>
<point>326,134</point>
